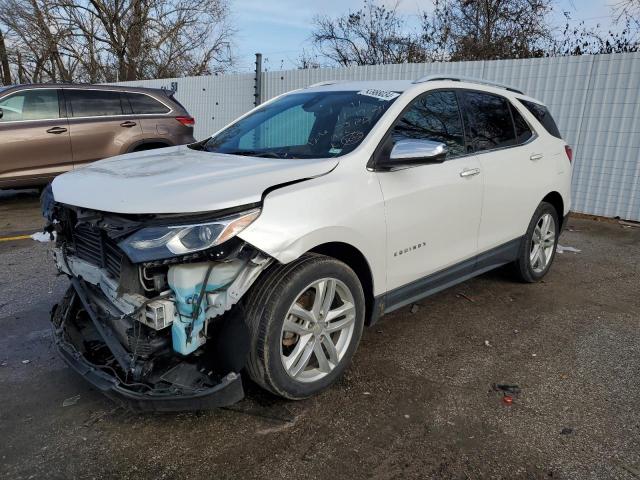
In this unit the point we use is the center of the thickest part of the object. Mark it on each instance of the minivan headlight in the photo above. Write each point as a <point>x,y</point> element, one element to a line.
<point>157,243</point>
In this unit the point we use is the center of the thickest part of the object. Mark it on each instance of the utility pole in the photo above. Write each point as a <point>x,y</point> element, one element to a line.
<point>258,81</point>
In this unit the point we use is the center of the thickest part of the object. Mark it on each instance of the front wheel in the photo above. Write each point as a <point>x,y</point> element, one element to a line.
<point>306,320</point>
<point>538,248</point>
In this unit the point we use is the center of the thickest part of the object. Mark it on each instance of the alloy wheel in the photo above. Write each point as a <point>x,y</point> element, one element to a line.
<point>317,330</point>
<point>543,242</point>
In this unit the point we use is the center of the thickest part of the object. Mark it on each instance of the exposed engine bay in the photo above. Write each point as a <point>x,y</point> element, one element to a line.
<point>152,314</point>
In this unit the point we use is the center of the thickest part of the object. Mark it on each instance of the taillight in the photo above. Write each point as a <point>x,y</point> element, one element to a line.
<point>187,121</point>
<point>569,152</point>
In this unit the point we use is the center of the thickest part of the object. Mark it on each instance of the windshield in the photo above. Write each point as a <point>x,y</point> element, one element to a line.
<point>305,125</point>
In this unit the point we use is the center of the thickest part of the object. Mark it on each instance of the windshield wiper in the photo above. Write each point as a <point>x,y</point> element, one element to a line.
<point>254,153</point>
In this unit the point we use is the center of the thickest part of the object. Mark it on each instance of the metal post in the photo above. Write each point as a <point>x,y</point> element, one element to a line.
<point>258,81</point>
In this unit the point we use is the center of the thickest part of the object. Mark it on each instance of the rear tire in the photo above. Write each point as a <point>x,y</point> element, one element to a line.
<point>305,320</point>
<point>538,248</point>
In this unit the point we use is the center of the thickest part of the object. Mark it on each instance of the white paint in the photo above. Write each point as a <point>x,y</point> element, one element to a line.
<point>178,180</point>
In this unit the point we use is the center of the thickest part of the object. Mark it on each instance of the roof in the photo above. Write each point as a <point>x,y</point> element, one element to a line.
<point>437,81</point>
<point>122,88</point>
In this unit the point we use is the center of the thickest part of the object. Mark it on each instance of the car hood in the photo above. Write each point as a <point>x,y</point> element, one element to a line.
<point>179,180</point>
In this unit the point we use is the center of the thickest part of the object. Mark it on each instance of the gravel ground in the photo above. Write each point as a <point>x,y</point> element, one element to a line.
<point>417,402</point>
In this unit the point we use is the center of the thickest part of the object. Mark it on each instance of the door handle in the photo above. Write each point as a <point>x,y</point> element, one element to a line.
<point>536,156</point>
<point>469,172</point>
<point>128,124</point>
<point>56,130</point>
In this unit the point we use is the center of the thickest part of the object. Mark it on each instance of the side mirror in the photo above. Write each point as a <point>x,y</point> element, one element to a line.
<point>1,113</point>
<point>410,152</point>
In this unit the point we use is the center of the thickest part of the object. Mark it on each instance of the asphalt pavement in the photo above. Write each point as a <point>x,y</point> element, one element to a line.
<point>418,401</point>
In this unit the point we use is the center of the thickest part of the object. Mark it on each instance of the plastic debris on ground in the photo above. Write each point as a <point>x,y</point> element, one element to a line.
<point>71,401</point>
<point>44,237</point>
<point>508,392</point>
<point>26,361</point>
<point>562,249</point>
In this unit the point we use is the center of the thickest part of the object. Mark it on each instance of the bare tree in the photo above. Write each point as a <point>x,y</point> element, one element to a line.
<point>372,35</point>
<point>5,70</point>
<point>488,29</point>
<point>110,40</point>
<point>578,39</point>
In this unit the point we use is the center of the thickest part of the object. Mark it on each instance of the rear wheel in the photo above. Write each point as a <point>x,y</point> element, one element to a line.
<point>538,248</point>
<point>306,320</point>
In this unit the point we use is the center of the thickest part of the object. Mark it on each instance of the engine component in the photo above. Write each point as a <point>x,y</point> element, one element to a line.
<point>158,314</point>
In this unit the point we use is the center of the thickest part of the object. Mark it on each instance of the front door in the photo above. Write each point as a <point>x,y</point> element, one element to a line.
<point>432,211</point>
<point>34,138</point>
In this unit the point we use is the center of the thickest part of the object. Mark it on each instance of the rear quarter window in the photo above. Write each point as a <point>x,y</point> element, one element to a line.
<point>543,115</point>
<point>142,104</point>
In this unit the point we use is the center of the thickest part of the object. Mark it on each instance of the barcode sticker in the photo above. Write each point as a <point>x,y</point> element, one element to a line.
<point>379,94</point>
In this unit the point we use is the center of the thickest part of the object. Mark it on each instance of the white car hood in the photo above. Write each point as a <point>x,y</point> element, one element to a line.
<point>179,180</point>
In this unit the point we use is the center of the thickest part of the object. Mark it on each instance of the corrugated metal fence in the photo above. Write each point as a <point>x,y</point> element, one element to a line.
<point>594,99</point>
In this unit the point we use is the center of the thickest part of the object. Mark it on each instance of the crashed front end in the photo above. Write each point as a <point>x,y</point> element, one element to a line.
<point>152,314</point>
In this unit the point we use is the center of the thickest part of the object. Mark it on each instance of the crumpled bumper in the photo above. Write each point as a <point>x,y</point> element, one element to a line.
<point>228,391</point>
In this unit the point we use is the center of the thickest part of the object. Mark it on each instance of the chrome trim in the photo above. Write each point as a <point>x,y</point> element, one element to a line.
<point>168,114</point>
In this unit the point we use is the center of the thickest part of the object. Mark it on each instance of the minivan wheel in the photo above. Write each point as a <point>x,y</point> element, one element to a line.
<point>305,320</point>
<point>538,248</point>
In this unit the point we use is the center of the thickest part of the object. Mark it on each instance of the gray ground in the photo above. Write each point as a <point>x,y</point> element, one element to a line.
<point>417,403</point>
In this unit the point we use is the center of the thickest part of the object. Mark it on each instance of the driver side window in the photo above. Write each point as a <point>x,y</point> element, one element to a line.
<point>434,116</point>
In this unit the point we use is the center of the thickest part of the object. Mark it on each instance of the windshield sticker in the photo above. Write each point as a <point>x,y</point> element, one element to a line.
<point>385,95</point>
<point>335,151</point>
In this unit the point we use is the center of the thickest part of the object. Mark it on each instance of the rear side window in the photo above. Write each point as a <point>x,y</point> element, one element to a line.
<point>40,104</point>
<point>142,104</point>
<point>543,115</point>
<point>434,116</point>
<point>93,103</point>
<point>488,120</point>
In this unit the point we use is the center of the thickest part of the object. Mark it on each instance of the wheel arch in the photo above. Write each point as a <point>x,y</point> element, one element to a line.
<point>356,260</point>
<point>149,145</point>
<point>556,200</point>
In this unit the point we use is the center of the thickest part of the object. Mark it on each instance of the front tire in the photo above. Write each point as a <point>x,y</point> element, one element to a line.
<point>305,321</point>
<point>538,248</point>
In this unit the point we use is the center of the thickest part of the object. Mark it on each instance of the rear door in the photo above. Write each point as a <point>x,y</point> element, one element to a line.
<point>101,124</point>
<point>432,211</point>
<point>157,119</point>
<point>34,137</point>
<point>517,171</point>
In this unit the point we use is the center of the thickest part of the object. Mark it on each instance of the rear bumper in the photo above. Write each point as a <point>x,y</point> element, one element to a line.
<point>226,392</point>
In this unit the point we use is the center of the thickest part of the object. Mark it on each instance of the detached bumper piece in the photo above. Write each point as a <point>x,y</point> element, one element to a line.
<point>165,382</point>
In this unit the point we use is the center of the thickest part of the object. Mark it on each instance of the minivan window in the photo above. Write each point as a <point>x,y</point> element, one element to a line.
<point>145,105</point>
<point>38,104</point>
<point>488,121</point>
<point>434,116</point>
<point>93,103</point>
<point>543,115</point>
<point>523,132</point>
<point>305,125</point>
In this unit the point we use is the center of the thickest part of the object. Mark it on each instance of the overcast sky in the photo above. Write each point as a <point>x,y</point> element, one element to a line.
<point>280,29</point>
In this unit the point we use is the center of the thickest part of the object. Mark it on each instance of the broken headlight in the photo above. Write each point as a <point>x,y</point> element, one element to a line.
<point>157,243</point>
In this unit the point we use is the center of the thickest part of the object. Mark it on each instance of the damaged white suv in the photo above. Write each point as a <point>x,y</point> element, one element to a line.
<point>267,247</point>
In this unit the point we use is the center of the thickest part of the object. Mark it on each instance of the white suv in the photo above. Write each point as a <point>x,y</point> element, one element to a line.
<point>267,247</point>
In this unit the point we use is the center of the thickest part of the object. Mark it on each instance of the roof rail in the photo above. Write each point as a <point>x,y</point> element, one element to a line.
<point>453,78</point>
